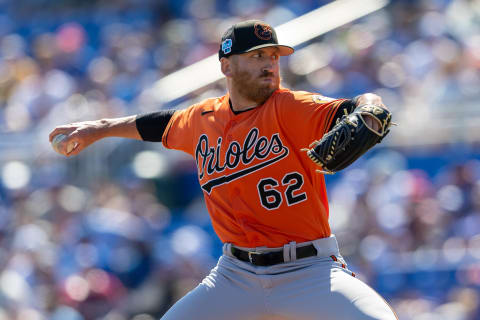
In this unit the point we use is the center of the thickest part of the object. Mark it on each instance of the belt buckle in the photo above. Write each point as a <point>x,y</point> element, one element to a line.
<point>250,253</point>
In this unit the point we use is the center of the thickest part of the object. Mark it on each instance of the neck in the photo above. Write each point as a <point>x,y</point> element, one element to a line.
<point>240,103</point>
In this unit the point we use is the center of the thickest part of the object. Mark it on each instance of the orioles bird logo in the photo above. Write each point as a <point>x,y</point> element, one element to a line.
<point>263,31</point>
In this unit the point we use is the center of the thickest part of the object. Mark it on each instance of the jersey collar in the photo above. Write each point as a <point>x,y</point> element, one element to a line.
<point>228,103</point>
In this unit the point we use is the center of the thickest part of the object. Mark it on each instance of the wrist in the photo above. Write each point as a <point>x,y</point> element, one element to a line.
<point>104,128</point>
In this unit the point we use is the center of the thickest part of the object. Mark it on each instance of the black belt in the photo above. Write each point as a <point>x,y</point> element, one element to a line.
<point>271,258</point>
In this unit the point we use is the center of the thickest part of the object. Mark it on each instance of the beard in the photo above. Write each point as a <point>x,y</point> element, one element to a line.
<point>250,86</point>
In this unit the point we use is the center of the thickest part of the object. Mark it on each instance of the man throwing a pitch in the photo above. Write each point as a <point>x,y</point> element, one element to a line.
<point>262,151</point>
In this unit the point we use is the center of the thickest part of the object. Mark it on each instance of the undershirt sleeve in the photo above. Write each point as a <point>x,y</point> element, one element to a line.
<point>151,126</point>
<point>346,107</point>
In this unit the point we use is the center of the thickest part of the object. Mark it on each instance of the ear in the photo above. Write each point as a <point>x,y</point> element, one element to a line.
<point>226,66</point>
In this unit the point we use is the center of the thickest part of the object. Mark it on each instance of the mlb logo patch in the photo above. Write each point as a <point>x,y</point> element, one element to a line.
<point>227,46</point>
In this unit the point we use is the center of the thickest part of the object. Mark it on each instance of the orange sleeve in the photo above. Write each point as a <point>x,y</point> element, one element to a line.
<point>306,115</point>
<point>179,133</point>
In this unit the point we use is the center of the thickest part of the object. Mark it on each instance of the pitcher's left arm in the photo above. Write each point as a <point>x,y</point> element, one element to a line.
<point>364,123</point>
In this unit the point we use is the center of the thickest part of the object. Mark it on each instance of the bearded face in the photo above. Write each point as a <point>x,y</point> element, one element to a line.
<point>254,79</point>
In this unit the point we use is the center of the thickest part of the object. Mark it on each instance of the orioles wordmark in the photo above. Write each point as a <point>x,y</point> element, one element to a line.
<point>209,160</point>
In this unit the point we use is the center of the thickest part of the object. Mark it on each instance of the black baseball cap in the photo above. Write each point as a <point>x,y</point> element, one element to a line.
<point>250,35</point>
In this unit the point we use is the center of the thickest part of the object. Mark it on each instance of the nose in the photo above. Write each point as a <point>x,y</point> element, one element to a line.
<point>270,64</point>
<point>268,67</point>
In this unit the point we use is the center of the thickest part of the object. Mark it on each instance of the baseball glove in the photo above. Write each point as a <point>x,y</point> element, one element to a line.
<point>349,138</point>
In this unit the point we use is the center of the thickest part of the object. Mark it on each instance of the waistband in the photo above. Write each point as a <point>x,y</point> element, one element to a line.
<point>325,248</point>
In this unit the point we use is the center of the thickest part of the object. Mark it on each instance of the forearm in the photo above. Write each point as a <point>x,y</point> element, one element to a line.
<point>83,134</point>
<point>147,127</point>
<point>118,127</point>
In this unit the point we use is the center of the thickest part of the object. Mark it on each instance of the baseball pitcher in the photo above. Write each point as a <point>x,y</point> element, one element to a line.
<point>262,151</point>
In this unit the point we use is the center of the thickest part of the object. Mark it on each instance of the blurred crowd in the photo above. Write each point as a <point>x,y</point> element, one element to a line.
<point>121,232</point>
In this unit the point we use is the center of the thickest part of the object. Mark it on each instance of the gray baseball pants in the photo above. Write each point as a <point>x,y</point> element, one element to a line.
<point>314,288</point>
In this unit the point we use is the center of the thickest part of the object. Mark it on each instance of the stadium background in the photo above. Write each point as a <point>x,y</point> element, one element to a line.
<point>120,232</point>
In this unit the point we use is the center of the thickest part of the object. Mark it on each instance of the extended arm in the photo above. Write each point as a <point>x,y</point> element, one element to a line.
<point>148,127</point>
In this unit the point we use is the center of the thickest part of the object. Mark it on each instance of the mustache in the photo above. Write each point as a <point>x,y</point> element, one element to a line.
<point>266,73</point>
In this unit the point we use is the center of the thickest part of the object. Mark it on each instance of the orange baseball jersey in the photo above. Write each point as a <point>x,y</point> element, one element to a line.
<point>260,188</point>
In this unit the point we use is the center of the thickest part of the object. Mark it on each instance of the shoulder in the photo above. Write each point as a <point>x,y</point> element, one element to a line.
<point>290,97</point>
<point>206,105</point>
<point>303,97</point>
<point>211,102</point>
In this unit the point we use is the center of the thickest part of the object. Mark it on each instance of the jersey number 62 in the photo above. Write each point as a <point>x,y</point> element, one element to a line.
<point>271,198</point>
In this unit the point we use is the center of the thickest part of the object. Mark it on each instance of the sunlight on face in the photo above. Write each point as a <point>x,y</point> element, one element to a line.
<point>256,74</point>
